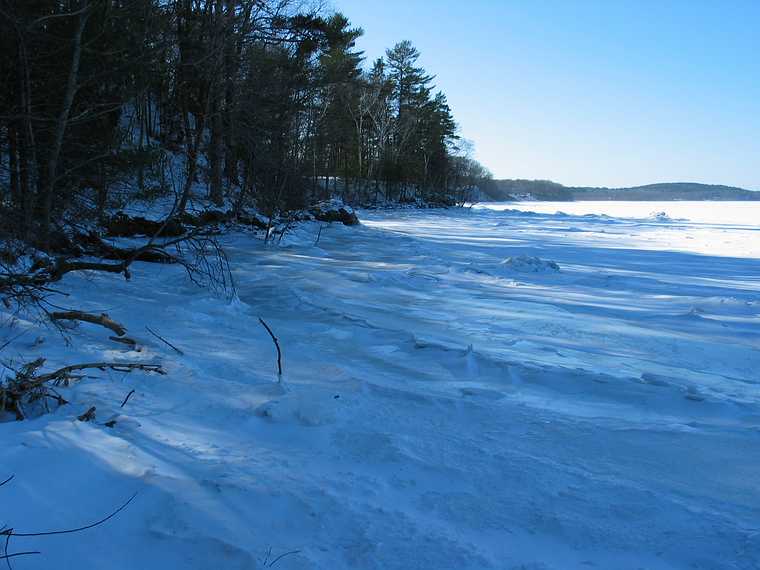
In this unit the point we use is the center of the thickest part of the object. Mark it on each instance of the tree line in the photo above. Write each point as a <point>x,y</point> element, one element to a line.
<point>264,102</point>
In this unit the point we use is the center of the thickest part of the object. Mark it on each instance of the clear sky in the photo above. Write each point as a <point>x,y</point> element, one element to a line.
<point>590,92</point>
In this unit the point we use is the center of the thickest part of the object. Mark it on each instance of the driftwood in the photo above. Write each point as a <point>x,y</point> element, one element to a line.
<point>102,319</point>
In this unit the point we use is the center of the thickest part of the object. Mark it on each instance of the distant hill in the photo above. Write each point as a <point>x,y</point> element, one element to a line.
<point>546,190</point>
<point>537,189</point>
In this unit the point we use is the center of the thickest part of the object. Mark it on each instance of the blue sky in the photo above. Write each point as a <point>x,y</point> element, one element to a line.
<point>590,92</point>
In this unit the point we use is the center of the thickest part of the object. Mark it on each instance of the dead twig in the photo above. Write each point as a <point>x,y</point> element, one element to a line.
<point>16,554</point>
<point>12,339</point>
<point>281,556</point>
<point>162,339</point>
<point>12,532</point>
<point>277,346</point>
<point>8,532</point>
<point>124,403</point>
<point>319,234</point>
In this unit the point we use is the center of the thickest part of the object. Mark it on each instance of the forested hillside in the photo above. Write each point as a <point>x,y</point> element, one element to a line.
<point>554,192</point>
<point>266,104</point>
<point>667,191</point>
<point>536,189</point>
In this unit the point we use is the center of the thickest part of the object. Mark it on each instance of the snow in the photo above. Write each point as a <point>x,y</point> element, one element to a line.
<point>438,408</point>
<point>530,264</point>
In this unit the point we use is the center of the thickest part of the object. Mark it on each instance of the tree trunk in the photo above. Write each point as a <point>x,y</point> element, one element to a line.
<point>26,146</point>
<point>216,194</point>
<point>215,152</point>
<point>48,184</point>
<point>192,142</point>
<point>13,163</point>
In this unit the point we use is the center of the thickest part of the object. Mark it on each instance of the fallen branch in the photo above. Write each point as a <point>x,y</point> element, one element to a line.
<point>29,386</point>
<point>64,372</point>
<point>103,320</point>
<point>277,346</point>
<point>197,251</point>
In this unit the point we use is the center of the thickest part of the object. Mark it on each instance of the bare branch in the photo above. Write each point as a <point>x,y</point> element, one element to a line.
<point>277,346</point>
<point>162,339</point>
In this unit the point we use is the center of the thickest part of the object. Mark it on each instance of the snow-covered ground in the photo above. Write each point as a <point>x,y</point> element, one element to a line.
<point>464,389</point>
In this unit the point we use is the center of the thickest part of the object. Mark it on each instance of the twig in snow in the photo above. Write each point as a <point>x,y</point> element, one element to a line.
<point>281,556</point>
<point>162,339</point>
<point>12,339</point>
<point>277,346</point>
<point>319,234</point>
<point>9,533</point>
<point>7,557</point>
<point>124,403</point>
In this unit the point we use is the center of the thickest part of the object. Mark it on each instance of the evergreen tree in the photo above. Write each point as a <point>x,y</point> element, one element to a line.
<point>261,102</point>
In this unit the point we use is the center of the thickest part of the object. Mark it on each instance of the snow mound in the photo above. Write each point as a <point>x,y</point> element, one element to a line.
<point>660,217</point>
<point>527,264</point>
<point>310,409</point>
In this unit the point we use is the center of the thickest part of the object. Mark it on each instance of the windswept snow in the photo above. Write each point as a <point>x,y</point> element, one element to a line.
<point>530,264</point>
<point>440,409</point>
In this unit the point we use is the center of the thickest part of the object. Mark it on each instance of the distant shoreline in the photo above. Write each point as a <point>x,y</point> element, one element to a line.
<point>548,191</point>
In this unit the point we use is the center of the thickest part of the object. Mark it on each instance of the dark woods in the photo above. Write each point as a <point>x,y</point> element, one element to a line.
<point>245,102</point>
